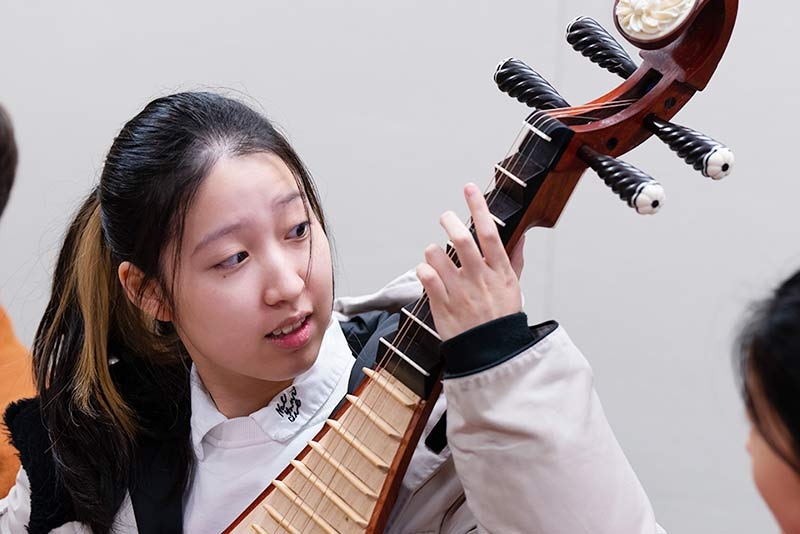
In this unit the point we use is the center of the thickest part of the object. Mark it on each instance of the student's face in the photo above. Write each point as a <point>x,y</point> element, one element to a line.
<point>253,291</point>
<point>777,482</point>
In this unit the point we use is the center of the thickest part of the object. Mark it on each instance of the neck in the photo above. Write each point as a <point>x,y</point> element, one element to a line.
<point>239,396</point>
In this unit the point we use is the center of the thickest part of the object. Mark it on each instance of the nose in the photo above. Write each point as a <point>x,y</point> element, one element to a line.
<point>748,445</point>
<point>283,282</point>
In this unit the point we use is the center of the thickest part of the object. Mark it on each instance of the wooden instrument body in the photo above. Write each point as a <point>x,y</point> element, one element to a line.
<point>334,462</point>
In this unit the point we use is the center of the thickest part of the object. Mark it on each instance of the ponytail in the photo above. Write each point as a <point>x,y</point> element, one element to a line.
<point>88,318</point>
<point>95,286</point>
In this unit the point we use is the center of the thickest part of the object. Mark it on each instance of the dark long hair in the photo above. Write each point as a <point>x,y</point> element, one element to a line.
<point>768,361</point>
<point>8,158</point>
<point>92,341</point>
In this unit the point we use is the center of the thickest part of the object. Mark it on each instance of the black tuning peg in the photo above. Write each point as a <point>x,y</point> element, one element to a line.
<point>526,85</point>
<point>592,40</point>
<point>706,155</point>
<point>639,190</point>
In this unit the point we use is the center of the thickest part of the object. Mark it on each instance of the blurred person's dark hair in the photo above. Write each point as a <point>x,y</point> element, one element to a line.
<point>768,361</point>
<point>8,158</point>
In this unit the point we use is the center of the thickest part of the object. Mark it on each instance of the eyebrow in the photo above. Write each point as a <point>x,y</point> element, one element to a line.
<point>217,234</point>
<point>279,203</point>
<point>283,201</point>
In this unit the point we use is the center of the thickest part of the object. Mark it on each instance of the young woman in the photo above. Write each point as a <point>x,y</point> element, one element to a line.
<point>189,351</point>
<point>769,363</point>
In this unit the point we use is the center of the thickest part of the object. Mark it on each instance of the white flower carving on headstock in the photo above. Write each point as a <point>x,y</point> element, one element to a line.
<point>648,20</point>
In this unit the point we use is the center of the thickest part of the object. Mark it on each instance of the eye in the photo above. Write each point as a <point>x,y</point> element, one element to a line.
<point>233,261</point>
<point>300,231</point>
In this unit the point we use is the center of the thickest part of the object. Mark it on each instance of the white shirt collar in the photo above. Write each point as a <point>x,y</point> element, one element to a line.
<point>292,409</point>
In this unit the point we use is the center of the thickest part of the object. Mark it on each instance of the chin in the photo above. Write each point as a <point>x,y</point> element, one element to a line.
<point>301,364</point>
<point>306,366</point>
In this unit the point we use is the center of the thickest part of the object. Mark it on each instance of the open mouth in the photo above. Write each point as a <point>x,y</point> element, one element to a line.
<point>288,329</point>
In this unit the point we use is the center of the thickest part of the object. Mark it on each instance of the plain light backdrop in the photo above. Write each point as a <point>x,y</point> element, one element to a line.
<point>392,106</point>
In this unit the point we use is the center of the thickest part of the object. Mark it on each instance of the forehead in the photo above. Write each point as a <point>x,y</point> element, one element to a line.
<point>243,182</point>
<point>260,172</point>
<point>254,186</point>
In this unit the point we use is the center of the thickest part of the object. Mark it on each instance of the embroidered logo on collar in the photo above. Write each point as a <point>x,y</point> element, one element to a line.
<point>289,406</point>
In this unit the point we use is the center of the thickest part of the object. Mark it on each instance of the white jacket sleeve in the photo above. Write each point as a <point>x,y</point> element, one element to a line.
<point>15,508</point>
<point>535,452</point>
<point>15,512</point>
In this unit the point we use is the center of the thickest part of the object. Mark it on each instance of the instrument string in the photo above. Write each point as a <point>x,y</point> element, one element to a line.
<point>569,111</point>
<point>378,400</point>
<point>407,324</point>
<point>499,179</point>
<point>402,340</point>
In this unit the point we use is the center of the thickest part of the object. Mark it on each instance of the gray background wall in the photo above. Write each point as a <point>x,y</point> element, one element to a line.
<point>393,108</point>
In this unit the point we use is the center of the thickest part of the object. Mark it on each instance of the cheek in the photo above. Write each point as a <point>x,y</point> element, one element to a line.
<point>777,483</point>
<point>761,474</point>
<point>219,309</point>
<point>322,266</point>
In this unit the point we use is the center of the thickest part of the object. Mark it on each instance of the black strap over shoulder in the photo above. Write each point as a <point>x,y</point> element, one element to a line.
<point>364,332</point>
<point>156,498</point>
<point>162,462</point>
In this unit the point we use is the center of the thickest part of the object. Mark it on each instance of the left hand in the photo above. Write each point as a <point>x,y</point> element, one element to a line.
<point>484,287</point>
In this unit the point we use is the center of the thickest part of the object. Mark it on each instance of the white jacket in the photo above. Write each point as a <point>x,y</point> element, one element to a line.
<point>530,451</point>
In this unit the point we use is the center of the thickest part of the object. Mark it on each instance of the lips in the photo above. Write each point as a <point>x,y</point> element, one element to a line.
<point>292,336</point>
<point>289,326</point>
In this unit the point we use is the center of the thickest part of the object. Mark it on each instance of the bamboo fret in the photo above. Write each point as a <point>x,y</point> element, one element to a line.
<point>276,516</point>
<point>329,493</point>
<point>373,416</point>
<point>333,487</point>
<point>392,386</point>
<point>343,470</point>
<point>298,501</point>
<point>363,449</point>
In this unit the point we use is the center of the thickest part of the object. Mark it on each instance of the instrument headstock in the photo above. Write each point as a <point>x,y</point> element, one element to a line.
<point>682,42</point>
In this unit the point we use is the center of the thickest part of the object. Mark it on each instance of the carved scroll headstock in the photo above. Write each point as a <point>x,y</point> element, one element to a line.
<point>676,63</point>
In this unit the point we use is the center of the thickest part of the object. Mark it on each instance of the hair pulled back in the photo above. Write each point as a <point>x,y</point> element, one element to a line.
<point>769,368</point>
<point>92,340</point>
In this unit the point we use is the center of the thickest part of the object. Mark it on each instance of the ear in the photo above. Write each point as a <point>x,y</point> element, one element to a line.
<point>149,299</point>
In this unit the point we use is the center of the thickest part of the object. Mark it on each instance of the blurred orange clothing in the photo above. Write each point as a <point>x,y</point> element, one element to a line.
<point>16,382</point>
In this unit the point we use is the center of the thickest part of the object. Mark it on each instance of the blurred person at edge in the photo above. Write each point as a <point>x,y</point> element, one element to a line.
<point>768,361</point>
<point>15,365</point>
